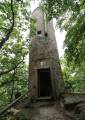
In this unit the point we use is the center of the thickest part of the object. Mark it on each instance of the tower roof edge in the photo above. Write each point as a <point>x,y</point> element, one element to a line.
<point>37,9</point>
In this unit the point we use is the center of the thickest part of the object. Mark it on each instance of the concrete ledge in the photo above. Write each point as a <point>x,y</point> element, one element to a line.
<point>73,97</point>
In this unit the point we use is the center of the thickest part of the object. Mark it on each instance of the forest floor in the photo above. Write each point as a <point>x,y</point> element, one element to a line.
<point>43,111</point>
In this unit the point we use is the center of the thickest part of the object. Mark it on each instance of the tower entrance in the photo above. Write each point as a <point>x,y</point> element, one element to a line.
<point>44,83</point>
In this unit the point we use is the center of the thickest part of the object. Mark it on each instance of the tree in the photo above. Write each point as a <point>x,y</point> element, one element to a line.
<point>74,77</point>
<point>14,46</point>
<point>11,19</point>
<point>70,16</point>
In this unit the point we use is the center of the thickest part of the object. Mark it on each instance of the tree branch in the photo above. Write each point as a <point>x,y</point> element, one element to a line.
<point>13,83</point>
<point>5,72</point>
<point>5,83</point>
<point>10,30</point>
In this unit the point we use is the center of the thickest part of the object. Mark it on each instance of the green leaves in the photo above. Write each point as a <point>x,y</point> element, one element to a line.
<point>70,15</point>
<point>74,76</point>
<point>74,42</point>
<point>14,51</point>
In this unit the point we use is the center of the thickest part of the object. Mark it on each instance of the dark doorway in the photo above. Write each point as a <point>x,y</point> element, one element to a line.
<point>44,83</point>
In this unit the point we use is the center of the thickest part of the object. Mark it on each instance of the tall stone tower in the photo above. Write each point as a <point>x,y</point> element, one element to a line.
<point>44,66</point>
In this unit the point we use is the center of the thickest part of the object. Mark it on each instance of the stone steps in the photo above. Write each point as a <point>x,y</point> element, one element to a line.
<point>44,111</point>
<point>48,112</point>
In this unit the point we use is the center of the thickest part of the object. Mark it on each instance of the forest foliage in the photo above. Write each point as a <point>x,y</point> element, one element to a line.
<point>14,46</point>
<point>70,16</point>
<point>15,24</point>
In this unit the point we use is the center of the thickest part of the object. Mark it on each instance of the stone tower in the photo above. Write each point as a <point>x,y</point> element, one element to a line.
<point>44,66</point>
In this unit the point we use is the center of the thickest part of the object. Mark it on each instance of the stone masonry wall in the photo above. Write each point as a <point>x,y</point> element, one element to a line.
<point>44,54</point>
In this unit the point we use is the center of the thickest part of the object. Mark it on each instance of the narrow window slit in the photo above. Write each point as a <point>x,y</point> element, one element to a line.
<point>39,32</point>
